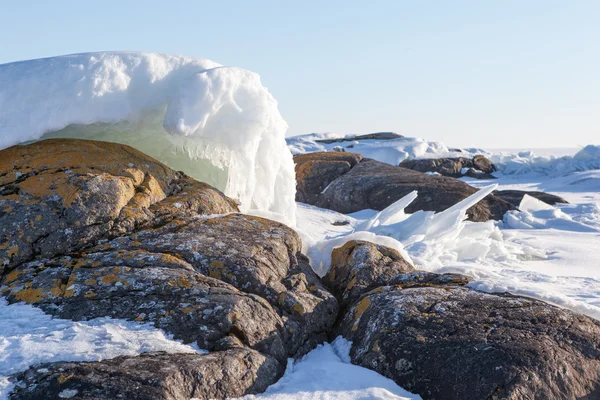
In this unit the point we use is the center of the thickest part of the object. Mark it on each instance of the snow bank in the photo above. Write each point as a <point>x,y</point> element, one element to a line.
<point>535,214</point>
<point>29,337</point>
<point>326,374</point>
<point>216,123</point>
<point>527,162</point>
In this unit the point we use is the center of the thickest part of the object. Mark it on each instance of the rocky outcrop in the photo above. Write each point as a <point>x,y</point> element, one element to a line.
<point>93,229</point>
<point>314,171</point>
<point>375,185</point>
<point>477,167</point>
<point>360,266</point>
<point>365,136</point>
<point>515,196</point>
<point>437,338</point>
<point>61,195</point>
<point>227,374</point>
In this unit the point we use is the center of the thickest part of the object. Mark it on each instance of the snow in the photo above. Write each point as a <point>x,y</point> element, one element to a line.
<point>551,253</point>
<point>218,124</point>
<point>30,337</point>
<point>508,162</point>
<point>391,151</point>
<point>522,163</point>
<point>326,374</point>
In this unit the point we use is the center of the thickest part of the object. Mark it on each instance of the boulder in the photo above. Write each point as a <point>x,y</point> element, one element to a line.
<point>59,195</point>
<point>515,196</point>
<point>477,167</point>
<point>375,185</point>
<point>483,164</point>
<point>227,374</point>
<point>442,340</point>
<point>359,266</point>
<point>93,229</point>
<point>315,171</point>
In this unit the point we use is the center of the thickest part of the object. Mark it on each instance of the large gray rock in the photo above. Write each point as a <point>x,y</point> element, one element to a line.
<point>439,339</point>
<point>375,185</point>
<point>227,374</point>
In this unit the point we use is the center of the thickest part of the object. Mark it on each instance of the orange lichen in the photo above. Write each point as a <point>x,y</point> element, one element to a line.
<point>29,295</point>
<point>299,308</point>
<point>216,269</point>
<point>12,276</point>
<point>359,310</point>
<point>110,278</point>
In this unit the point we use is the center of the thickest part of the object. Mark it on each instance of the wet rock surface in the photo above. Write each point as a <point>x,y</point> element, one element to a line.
<point>375,185</point>
<point>112,232</point>
<point>477,167</point>
<point>436,337</point>
<point>231,373</point>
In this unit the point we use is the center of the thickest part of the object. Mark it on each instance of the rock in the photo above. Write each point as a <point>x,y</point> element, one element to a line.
<point>360,266</point>
<point>112,232</point>
<point>59,195</point>
<point>200,279</point>
<point>219,375</point>
<point>450,342</point>
<point>366,136</point>
<point>375,185</point>
<point>314,171</point>
<point>426,279</point>
<point>477,167</point>
<point>515,196</point>
<point>481,163</point>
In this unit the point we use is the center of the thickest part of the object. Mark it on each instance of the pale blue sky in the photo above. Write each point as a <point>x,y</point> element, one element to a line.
<point>468,73</point>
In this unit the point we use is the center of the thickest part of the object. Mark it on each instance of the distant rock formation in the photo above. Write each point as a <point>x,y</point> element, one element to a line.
<point>477,167</point>
<point>347,182</point>
<point>366,136</point>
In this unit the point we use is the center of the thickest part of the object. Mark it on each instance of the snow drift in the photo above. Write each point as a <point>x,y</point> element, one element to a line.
<point>218,124</point>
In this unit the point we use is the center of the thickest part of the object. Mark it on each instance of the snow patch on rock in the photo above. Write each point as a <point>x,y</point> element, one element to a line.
<point>29,337</point>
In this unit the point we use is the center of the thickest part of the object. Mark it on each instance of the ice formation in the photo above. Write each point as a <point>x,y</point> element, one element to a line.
<point>216,123</point>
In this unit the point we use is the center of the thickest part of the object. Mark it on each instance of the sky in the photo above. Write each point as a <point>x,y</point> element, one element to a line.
<point>467,73</point>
